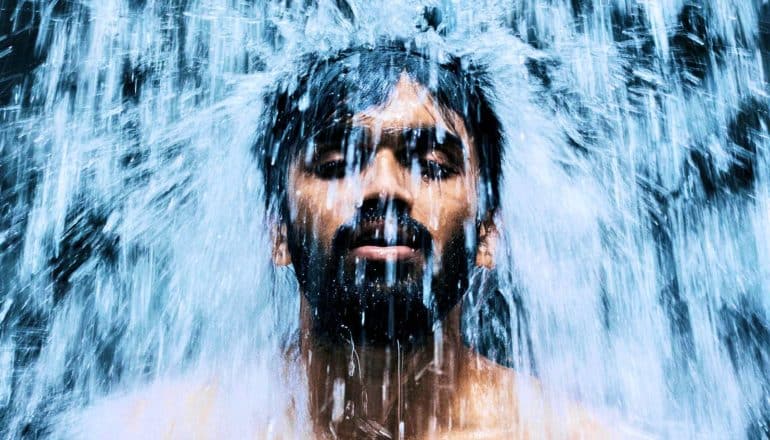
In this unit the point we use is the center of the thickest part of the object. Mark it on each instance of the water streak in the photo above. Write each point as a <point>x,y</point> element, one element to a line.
<point>636,200</point>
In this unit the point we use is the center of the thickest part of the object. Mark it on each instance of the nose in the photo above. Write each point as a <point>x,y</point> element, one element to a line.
<point>387,180</point>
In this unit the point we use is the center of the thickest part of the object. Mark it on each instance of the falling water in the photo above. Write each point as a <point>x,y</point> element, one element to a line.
<point>636,199</point>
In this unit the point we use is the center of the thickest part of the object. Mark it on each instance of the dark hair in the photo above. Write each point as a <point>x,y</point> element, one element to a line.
<point>330,90</point>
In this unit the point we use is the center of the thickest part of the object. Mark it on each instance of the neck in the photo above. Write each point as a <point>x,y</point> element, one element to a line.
<point>363,391</point>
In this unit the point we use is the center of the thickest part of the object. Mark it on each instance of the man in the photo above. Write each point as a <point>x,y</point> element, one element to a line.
<point>383,171</point>
<point>382,166</point>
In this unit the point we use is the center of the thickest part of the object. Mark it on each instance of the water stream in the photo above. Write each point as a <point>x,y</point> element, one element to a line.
<point>636,199</point>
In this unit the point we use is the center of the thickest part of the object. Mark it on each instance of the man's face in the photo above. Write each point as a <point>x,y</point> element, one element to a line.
<point>383,217</point>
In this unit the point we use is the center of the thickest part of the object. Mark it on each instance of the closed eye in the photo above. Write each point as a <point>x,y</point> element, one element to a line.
<point>438,157</point>
<point>435,170</point>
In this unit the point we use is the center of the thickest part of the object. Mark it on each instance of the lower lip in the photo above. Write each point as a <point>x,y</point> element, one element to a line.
<point>385,253</point>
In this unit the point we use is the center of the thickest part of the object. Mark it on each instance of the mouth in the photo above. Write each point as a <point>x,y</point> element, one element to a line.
<point>370,243</point>
<point>385,253</point>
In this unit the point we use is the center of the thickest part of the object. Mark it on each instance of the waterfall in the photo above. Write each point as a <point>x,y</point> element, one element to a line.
<point>134,244</point>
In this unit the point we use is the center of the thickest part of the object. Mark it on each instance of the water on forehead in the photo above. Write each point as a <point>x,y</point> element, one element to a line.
<point>409,105</point>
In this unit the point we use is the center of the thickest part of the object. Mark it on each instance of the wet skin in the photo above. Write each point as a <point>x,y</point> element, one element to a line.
<point>436,184</point>
<point>380,207</point>
<point>438,388</point>
<point>435,181</point>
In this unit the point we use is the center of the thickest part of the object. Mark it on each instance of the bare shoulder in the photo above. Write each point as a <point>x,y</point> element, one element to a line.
<point>497,402</point>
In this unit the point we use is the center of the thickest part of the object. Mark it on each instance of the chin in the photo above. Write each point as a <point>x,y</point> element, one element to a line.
<point>380,301</point>
<point>376,311</point>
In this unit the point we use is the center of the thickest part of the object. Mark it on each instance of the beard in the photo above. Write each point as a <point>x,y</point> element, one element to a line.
<point>377,302</point>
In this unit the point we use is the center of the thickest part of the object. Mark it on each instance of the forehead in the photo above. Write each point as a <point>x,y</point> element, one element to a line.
<point>410,105</point>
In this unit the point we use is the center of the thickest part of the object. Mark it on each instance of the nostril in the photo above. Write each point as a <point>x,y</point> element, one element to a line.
<point>381,207</point>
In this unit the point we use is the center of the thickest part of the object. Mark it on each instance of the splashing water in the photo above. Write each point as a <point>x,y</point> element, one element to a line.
<point>635,211</point>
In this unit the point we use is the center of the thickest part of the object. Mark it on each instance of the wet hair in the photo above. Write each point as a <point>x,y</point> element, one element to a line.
<point>329,90</point>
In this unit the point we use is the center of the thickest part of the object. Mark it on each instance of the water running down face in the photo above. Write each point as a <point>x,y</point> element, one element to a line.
<point>383,225</point>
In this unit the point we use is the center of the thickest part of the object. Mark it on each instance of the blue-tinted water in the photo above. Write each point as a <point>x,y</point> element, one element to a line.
<point>636,211</point>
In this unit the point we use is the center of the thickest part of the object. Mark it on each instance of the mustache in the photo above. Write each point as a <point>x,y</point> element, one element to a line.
<point>368,227</point>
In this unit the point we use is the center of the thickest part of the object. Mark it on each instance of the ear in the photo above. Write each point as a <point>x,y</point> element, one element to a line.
<point>281,256</point>
<point>488,237</point>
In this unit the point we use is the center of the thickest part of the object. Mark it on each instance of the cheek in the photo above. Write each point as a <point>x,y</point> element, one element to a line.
<point>445,208</point>
<point>319,207</point>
